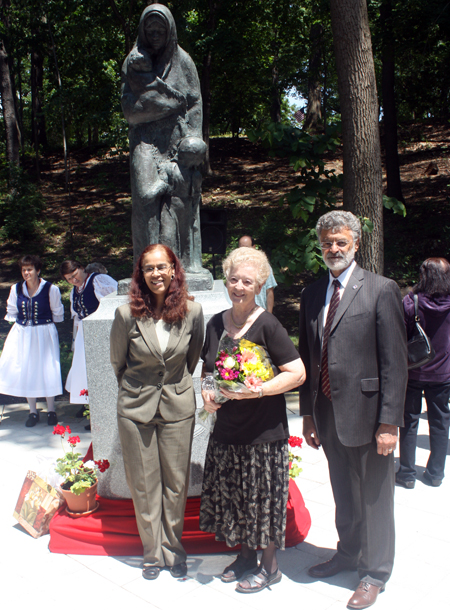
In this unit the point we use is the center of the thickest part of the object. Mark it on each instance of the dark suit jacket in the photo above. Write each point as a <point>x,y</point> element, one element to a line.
<point>367,358</point>
<point>147,378</point>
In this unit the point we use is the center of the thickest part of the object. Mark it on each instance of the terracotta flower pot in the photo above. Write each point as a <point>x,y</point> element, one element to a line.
<point>84,503</point>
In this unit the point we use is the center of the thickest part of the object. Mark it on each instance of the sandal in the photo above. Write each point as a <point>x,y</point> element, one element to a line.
<point>239,568</point>
<point>150,572</point>
<point>259,581</point>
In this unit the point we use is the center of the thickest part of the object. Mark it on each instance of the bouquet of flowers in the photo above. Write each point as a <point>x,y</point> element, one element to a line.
<point>239,364</point>
<point>295,444</point>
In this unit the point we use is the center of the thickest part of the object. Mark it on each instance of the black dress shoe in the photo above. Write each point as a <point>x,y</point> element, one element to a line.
<point>433,482</point>
<point>403,483</point>
<point>329,568</point>
<point>32,420</point>
<point>179,570</point>
<point>364,596</point>
<point>80,412</point>
<point>52,418</point>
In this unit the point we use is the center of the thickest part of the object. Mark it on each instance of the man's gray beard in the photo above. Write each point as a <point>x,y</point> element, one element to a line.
<point>342,263</point>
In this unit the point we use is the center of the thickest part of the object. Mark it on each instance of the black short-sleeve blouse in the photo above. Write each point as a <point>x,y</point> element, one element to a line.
<point>257,420</point>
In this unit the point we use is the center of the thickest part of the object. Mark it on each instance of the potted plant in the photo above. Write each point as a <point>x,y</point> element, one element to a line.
<point>79,487</point>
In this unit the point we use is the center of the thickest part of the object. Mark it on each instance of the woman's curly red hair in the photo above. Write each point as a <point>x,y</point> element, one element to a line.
<point>142,300</point>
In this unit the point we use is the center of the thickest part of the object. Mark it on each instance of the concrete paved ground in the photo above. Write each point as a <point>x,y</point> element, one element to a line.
<point>31,576</point>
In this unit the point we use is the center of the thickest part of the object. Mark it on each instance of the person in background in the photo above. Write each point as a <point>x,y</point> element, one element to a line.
<point>246,477</point>
<point>266,298</point>
<point>156,340</point>
<point>431,379</point>
<point>96,268</point>
<point>87,292</point>
<point>352,340</point>
<point>30,364</point>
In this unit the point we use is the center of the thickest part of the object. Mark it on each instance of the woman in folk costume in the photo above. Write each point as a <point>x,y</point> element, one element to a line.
<point>30,364</point>
<point>87,292</point>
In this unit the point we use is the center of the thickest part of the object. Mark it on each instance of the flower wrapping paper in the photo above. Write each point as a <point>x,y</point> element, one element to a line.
<point>240,364</point>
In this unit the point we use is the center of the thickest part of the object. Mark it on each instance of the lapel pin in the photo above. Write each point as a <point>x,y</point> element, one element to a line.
<point>355,287</point>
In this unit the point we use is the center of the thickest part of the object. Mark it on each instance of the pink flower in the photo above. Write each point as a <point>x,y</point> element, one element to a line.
<point>248,356</point>
<point>253,382</point>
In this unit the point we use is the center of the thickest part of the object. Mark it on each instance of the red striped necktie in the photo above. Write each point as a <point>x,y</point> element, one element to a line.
<point>334,303</point>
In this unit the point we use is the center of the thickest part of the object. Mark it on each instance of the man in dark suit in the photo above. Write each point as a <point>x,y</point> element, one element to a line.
<point>353,344</point>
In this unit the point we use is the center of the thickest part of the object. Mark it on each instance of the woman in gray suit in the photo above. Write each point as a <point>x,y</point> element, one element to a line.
<point>155,345</point>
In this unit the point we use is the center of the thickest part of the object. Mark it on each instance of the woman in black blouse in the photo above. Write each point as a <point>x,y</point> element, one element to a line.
<point>246,479</point>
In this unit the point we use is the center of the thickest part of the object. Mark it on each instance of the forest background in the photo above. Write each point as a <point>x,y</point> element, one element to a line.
<point>65,190</point>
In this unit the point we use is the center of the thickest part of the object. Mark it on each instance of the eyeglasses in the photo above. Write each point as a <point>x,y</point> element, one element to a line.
<point>160,268</point>
<point>327,245</point>
<point>70,278</point>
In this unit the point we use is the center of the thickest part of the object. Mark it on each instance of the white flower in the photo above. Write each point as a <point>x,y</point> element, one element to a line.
<point>229,362</point>
<point>89,464</point>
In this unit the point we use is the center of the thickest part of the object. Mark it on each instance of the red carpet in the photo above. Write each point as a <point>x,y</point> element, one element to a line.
<point>112,529</point>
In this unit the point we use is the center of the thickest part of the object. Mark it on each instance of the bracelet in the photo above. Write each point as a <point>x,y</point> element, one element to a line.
<point>260,393</point>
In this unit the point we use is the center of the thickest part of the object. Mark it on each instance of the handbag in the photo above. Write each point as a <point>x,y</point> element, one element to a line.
<point>420,350</point>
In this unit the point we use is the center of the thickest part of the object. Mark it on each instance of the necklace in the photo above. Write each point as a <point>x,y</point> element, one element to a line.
<point>239,326</point>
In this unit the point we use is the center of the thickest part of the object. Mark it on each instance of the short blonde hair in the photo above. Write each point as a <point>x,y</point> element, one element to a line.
<point>248,256</point>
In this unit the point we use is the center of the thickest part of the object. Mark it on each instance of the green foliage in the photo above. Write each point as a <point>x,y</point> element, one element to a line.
<point>74,472</point>
<point>313,196</point>
<point>20,205</point>
<point>391,203</point>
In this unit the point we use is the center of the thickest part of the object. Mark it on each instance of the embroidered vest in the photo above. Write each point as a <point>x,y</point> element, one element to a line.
<point>84,303</point>
<point>34,310</point>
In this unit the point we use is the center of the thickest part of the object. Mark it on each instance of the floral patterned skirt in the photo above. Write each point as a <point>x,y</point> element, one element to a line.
<point>245,492</point>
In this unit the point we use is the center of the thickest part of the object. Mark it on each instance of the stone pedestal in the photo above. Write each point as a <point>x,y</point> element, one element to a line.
<point>102,386</point>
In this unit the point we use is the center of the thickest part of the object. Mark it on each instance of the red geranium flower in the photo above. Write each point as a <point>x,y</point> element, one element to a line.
<point>84,393</point>
<point>295,441</point>
<point>102,465</point>
<point>61,430</point>
<point>73,440</point>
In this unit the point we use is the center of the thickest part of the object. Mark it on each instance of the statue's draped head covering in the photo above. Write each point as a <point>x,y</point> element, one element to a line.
<point>159,12</point>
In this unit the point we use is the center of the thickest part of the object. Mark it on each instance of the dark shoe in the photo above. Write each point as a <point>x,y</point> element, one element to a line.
<point>430,480</point>
<point>88,427</point>
<point>259,581</point>
<point>403,483</point>
<point>52,418</point>
<point>330,568</point>
<point>239,567</point>
<point>364,596</point>
<point>80,412</point>
<point>150,572</point>
<point>179,570</point>
<point>32,420</point>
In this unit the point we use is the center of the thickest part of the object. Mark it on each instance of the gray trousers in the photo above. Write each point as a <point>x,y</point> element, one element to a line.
<point>157,458</point>
<point>363,487</point>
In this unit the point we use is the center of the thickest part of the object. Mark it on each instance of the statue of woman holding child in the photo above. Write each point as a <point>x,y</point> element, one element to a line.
<point>162,103</point>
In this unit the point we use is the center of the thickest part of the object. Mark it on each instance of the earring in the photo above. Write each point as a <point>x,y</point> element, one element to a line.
<point>173,275</point>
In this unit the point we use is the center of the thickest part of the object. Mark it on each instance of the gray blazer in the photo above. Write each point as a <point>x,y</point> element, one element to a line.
<point>367,359</point>
<point>149,379</point>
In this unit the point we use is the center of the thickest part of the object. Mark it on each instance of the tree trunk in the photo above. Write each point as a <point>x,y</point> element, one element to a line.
<point>313,110</point>
<point>275,108</point>
<point>360,130</point>
<point>205,83</point>
<point>9,110</point>
<point>394,185</point>
<point>10,117</point>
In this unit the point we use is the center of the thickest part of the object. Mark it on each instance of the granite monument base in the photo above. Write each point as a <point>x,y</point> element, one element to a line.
<point>102,386</point>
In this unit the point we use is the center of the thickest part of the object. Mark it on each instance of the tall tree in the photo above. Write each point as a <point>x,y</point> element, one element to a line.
<point>394,185</point>
<point>7,92</point>
<point>360,130</point>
